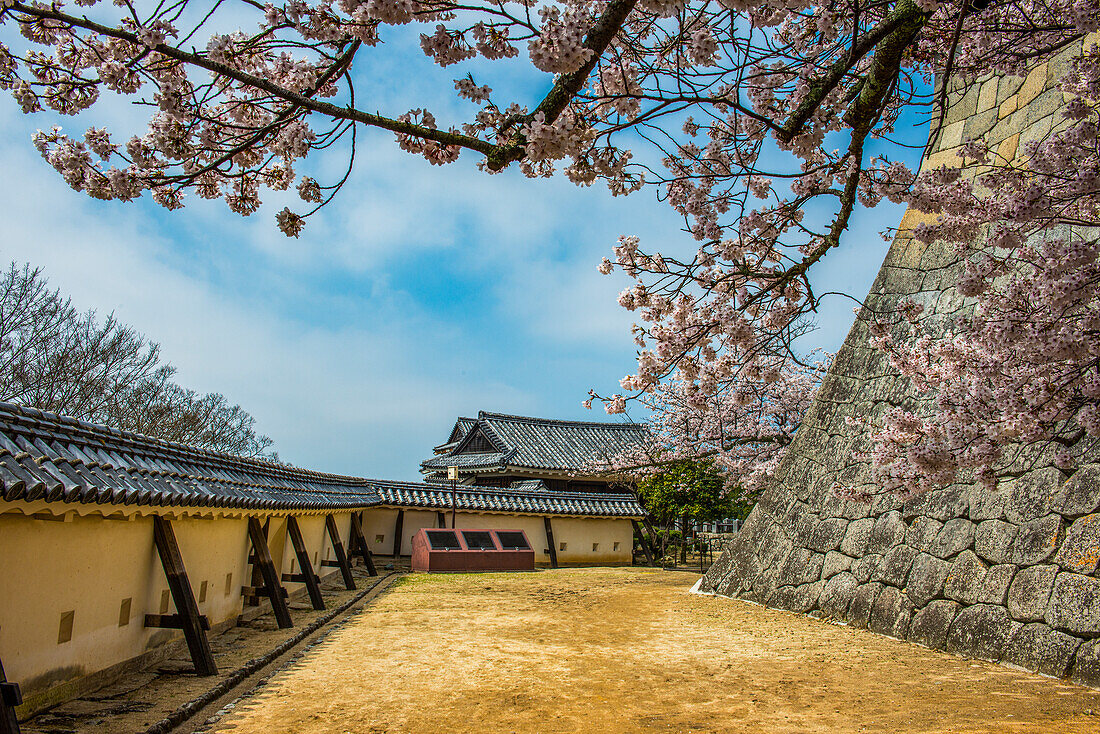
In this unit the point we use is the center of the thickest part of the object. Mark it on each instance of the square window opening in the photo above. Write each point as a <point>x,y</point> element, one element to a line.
<point>164,597</point>
<point>379,538</point>
<point>562,546</point>
<point>228,583</point>
<point>65,628</point>
<point>616,545</point>
<point>595,547</point>
<point>124,612</point>
<point>202,592</point>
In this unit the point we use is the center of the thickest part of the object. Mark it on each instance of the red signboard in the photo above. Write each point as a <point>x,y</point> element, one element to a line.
<point>438,549</point>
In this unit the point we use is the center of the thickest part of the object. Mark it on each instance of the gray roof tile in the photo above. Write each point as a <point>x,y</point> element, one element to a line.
<point>45,456</point>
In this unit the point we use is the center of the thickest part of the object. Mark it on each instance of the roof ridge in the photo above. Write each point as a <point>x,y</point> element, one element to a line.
<point>558,421</point>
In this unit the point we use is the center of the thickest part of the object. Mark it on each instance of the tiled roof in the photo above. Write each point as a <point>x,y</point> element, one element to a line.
<point>461,428</point>
<point>467,461</point>
<point>48,457</point>
<point>57,459</point>
<point>526,499</point>
<point>541,443</point>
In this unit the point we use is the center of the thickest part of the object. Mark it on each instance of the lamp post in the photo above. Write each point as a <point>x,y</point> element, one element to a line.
<point>452,474</point>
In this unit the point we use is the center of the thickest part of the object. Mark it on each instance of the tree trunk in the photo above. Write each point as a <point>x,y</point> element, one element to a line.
<point>683,540</point>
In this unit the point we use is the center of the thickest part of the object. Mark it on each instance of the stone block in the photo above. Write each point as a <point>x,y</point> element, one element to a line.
<point>922,532</point>
<point>866,567</point>
<point>857,537</point>
<point>987,95</point>
<point>894,569</point>
<point>863,600</point>
<point>980,631</point>
<point>828,534</point>
<point>891,613</point>
<point>988,505</point>
<point>1032,495</point>
<point>964,579</point>
<point>765,583</point>
<point>926,578</point>
<point>774,547</point>
<point>1086,667</point>
<point>1038,540</point>
<point>1038,648</point>
<point>930,625</point>
<point>948,503</point>
<point>1030,592</point>
<point>1075,605</point>
<point>800,523</point>
<point>835,563</point>
<point>799,599</point>
<point>993,540</point>
<point>793,569</point>
<point>888,531</point>
<point>995,583</point>
<point>1080,494</point>
<point>837,596</point>
<point>954,537</point>
<point>1080,551</point>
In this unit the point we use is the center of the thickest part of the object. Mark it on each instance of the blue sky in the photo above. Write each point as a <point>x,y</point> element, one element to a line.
<point>419,294</point>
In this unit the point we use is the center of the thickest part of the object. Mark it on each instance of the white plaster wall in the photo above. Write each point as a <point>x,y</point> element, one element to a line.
<point>88,565</point>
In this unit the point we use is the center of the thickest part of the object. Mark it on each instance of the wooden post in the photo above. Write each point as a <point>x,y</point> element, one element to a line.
<point>338,548</point>
<point>550,543</point>
<point>646,548</point>
<point>307,576</point>
<point>397,534</point>
<point>358,544</point>
<point>186,609</point>
<point>10,697</point>
<point>272,589</point>
<point>652,535</point>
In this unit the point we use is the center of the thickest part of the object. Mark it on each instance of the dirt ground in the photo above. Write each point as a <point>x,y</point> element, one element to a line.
<point>630,650</point>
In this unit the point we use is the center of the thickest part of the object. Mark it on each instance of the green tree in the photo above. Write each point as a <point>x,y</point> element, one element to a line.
<point>686,491</point>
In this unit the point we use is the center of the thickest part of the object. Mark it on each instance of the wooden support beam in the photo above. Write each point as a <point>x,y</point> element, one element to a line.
<point>258,591</point>
<point>257,578</point>
<point>359,544</point>
<point>307,576</point>
<point>10,697</point>
<point>550,543</point>
<point>271,588</point>
<point>338,548</point>
<point>652,537</point>
<point>186,609</point>
<point>397,530</point>
<point>646,548</point>
<point>173,621</point>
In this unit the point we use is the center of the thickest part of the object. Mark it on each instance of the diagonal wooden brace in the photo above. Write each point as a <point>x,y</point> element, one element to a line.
<point>272,589</point>
<point>308,577</point>
<point>338,548</point>
<point>10,697</point>
<point>645,543</point>
<point>187,611</point>
<point>550,542</point>
<point>358,544</point>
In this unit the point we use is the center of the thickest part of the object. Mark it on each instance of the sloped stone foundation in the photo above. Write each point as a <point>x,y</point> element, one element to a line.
<point>1009,575</point>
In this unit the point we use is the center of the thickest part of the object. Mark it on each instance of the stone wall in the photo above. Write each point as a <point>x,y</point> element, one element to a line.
<point>1009,575</point>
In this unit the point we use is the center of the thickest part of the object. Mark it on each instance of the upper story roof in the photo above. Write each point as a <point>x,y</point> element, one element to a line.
<point>500,441</point>
<point>58,459</point>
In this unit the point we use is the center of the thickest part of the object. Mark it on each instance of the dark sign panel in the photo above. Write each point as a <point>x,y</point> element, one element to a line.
<point>443,540</point>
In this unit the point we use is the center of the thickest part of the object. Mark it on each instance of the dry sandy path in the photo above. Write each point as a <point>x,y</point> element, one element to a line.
<point>629,650</point>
